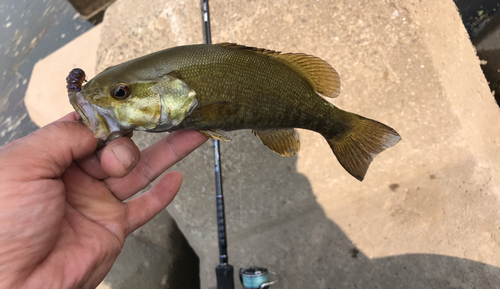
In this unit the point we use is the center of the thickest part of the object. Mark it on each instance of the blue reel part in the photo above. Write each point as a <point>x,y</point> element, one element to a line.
<point>256,278</point>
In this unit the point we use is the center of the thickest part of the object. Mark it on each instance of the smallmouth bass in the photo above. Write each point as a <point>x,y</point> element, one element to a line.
<point>223,87</point>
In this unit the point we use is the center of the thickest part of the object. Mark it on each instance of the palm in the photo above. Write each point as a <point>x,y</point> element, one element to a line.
<point>72,213</point>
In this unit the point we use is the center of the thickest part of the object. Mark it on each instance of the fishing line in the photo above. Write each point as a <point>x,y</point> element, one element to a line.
<point>257,278</point>
<point>256,281</point>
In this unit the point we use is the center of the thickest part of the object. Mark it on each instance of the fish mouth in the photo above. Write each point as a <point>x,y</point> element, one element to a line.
<point>84,109</point>
<point>100,121</point>
<point>97,120</point>
<point>91,118</point>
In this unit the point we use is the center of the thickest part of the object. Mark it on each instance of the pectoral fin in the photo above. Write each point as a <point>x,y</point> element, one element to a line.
<point>213,111</point>
<point>284,141</point>
<point>215,134</point>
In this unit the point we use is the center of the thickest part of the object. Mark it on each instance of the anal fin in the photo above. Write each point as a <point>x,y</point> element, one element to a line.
<point>284,141</point>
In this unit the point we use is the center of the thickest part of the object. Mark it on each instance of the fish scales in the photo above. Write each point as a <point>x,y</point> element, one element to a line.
<point>222,87</point>
<point>264,102</point>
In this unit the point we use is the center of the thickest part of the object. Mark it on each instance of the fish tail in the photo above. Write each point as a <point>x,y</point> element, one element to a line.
<point>360,142</point>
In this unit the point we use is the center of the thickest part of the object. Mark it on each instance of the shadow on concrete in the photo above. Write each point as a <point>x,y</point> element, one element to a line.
<point>297,240</point>
<point>185,268</point>
<point>156,255</point>
<point>274,220</point>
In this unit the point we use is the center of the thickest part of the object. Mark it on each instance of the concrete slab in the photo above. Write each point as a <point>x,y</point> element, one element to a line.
<point>46,97</point>
<point>426,215</point>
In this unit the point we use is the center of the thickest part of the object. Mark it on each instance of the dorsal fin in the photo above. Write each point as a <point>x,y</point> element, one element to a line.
<point>321,75</point>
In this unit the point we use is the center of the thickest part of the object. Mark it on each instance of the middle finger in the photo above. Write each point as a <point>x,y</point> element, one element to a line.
<point>155,160</point>
<point>116,159</point>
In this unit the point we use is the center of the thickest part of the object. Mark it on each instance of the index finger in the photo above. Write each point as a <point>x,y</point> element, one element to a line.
<point>154,161</point>
<point>72,116</point>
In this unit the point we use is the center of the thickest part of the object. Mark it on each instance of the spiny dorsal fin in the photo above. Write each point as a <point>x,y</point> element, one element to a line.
<point>254,49</point>
<point>283,141</point>
<point>321,75</point>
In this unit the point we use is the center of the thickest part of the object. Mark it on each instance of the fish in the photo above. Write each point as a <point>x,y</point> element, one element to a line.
<point>215,88</point>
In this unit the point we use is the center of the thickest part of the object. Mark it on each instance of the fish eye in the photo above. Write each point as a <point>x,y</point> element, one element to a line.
<point>120,91</point>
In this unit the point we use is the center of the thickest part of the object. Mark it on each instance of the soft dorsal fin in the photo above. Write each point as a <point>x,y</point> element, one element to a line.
<point>321,75</point>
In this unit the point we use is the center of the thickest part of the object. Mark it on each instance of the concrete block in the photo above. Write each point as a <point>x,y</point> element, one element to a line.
<point>426,215</point>
<point>156,25</point>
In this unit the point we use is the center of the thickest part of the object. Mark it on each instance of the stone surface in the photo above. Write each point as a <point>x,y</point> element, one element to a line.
<point>156,25</point>
<point>426,215</point>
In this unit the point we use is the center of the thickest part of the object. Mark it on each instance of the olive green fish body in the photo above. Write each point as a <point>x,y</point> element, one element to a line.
<point>235,91</point>
<point>223,87</point>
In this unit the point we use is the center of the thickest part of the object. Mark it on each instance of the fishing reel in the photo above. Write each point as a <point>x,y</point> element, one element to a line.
<point>257,278</point>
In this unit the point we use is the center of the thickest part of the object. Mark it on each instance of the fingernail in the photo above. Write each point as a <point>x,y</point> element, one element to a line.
<point>124,154</point>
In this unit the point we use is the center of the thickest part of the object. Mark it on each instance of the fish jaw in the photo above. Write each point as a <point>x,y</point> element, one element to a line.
<point>84,109</point>
<point>97,119</point>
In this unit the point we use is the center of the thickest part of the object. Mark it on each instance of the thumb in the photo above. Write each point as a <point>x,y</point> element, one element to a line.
<point>48,152</point>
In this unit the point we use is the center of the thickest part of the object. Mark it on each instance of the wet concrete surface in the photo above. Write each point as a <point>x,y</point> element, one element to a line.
<point>488,50</point>
<point>29,31</point>
<point>481,18</point>
<point>476,14</point>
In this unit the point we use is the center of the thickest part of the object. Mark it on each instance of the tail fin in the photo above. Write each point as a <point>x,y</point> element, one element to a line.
<point>356,149</point>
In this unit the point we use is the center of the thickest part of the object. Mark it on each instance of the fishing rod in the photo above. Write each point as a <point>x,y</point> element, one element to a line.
<point>253,277</point>
<point>224,271</point>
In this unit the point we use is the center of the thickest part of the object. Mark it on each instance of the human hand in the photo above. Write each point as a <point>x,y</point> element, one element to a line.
<point>63,219</point>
